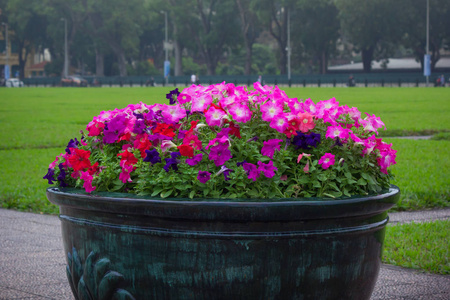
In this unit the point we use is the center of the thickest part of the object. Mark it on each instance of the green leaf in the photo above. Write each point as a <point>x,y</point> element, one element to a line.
<point>166,194</point>
<point>156,191</point>
<point>361,181</point>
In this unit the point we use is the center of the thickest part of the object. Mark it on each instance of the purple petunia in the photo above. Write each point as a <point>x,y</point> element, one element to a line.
<point>220,154</point>
<point>252,171</point>
<point>152,156</point>
<point>225,171</point>
<point>203,176</point>
<point>49,176</point>
<point>139,126</point>
<point>171,163</point>
<point>305,141</point>
<point>172,96</point>
<point>267,169</point>
<point>61,176</point>
<point>270,146</point>
<point>72,144</point>
<point>115,128</point>
<point>195,160</point>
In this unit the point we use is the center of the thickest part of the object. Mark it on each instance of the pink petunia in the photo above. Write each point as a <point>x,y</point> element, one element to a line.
<point>372,123</point>
<point>279,123</point>
<point>270,146</point>
<point>337,132</point>
<point>240,113</point>
<point>201,102</point>
<point>87,182</point>
<point>270,110</point>
<point>215,116</point>
<point>173,113</point>
<point>386,157</point>
<point>306,122</point>
<point>327,161</point>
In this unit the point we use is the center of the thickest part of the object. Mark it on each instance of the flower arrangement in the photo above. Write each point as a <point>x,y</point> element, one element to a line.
<point>227,141</point>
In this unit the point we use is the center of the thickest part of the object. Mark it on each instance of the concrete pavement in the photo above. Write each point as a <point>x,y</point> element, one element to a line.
<point>32,262</point>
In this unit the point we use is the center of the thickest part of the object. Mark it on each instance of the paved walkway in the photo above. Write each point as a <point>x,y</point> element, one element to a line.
<point>32,263</point>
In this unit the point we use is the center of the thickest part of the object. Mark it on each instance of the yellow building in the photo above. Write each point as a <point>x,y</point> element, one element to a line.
<point>13,56</point>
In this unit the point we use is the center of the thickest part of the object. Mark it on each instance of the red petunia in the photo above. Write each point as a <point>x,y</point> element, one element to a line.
<point>127,158</point>
<point>79,160</point>
<point>186,150</point>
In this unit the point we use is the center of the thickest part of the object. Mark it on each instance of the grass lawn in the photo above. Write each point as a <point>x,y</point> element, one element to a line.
<point>37,123</point>
<point>419,246</point>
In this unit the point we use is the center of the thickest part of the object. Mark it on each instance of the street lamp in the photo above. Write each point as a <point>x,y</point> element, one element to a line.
<point>427,60</point>
<point>66,55</point>
<point>288,48</point>
<point>166,48</point>
<point>7,71</point>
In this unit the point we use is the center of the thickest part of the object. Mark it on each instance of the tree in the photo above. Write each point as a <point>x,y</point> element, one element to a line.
<point>212,26</point>
<point>118,24</point>
<point>317,24</point>
<point>273,14</point>
<point>28,26</point>
<point>371,24</point>
<point>249,29</point>
<point>415,29</point>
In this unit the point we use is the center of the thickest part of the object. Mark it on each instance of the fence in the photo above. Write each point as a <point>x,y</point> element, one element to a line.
<point>329,80</point>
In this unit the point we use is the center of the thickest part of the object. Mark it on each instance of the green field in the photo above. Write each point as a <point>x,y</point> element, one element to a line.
<point>37,123</point>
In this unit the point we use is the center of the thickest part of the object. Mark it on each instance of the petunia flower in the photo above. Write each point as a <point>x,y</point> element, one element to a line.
<point>203,176</point>
<point>252,171</point>
<point>279,123</point>
<point>87,178</point>
<point>270,110</point>
<point>172,96</point>
<point>152,156</point>
<point>186,150</point>
<point>267,169</point>
<point>240,113</point>
<point>195,160</point>
<point>214,116</point>
<point>50,175</point>
<point>225,171</point>
<point>306,122</point>
<point>171,163</point>
<point>270,146</point>
<point>327,160</point>
<point>62,175</point>
<point>79,160</point>
<point>337,132</point>
<point>114,129</point>
<point>73,143</point>
<point>220,154</point>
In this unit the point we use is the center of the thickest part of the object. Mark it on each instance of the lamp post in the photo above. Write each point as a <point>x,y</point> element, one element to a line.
<point>7,71</point>
<point>289,46</point>
<point>166,48</point>
<point>428,42</point>
<point>66,54</point>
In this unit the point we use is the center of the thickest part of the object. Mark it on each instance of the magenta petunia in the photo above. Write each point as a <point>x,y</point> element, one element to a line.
<point>327,161</point>
<point>279,123</point>
<point>220,154</point>
<point>252,171</point>
<point>267,169</point>
<point>87,182</point>
<point>270,146</point>
<point>203,176</point>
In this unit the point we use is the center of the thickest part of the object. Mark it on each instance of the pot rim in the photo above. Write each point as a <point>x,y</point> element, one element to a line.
<point>224,209</point>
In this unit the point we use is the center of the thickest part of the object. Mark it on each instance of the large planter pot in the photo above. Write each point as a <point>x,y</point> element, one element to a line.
<point>120,246</point>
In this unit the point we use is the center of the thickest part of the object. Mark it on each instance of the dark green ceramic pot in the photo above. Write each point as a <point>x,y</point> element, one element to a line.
<point>120,246</point>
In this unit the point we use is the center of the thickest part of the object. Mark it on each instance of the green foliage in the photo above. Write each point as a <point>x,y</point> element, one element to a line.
<point>142,68</point>
<point>35,121</point>
<point>419,246</point>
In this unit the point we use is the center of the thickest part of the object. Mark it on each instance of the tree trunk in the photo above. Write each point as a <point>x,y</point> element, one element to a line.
<point>99,64</point>
<point>178,69</point>
<point>367,55</point>
<point>120,54</point>
<point>248,59</point>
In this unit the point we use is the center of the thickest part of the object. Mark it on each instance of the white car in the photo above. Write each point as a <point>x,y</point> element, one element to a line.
<point>13,82</point>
